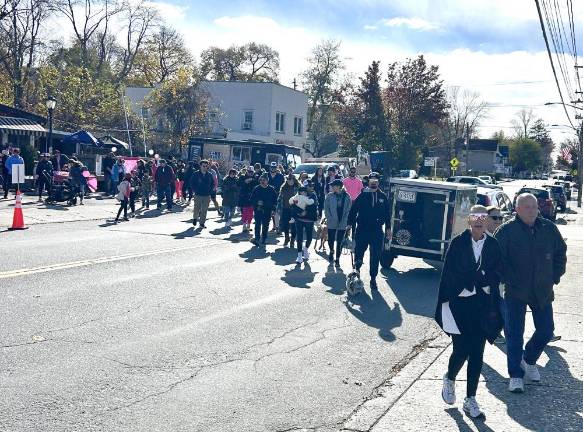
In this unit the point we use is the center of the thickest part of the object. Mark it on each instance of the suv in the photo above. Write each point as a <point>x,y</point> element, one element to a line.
<point>488,179</point>
<point>495,197</point>
<point>567,187</point>
<point>546,205</point>
<point>559,196</point>
<point>476,181</point>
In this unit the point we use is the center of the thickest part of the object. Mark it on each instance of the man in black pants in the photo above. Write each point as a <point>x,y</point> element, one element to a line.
<point>370,211</point>
<point>44,172</point>
<point>264,200</point>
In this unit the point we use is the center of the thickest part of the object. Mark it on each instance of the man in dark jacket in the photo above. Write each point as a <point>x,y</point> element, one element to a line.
<point>264,199</point>
<point>370,211</point>
<point>534,256</point>
<point>164,178</point>
<point>59,161</point>
<point>330,177</point>
<point>44,172</point>
<point>203,185</point>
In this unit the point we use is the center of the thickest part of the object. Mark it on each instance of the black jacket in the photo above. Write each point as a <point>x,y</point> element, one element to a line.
<point>164,176</point>
<point>230,192</point>
<point>460,271</point>
<point>276,180</point>
<point>202,184</point>
<point>44,165</point>
<point>534,260</point>
<point>310,214</point>
<point>245,190</point>
<point>370,210</point>
<point>264,199</point>
<point>319,185</point>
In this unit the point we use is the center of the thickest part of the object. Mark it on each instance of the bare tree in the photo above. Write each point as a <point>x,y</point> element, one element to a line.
<point>521,123</point>
<point>89,18</point>
<point>170,51</point>
<point>138,20</point>
<point>466,110</point>
<point>19,32</point>
<point>250,62</point>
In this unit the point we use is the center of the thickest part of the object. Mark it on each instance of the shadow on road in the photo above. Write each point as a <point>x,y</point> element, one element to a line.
<point>254,254</point>
<point>416,289</point>
<point>538,408</point>
<point>463,425</point>
<point>189,232</point>
<point>335,279</point>
<point>376,313</point>
<point>299,277</point>
<point>284,256</point>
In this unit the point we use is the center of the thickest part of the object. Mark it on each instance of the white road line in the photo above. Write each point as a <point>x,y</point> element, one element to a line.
<point>93,261</point>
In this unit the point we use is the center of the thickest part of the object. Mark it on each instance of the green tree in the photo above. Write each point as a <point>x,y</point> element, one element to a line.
<point>415,100</point>
<point>525,154</point>
<point>182,105</point>
<point>539,132</point>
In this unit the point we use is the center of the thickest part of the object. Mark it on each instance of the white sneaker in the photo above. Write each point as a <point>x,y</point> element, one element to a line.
<point>530,371</point>
<point>300,258</point>
<point>228,223</point>
<point>516,385</point>
<point>448,390</point>
<point>471,408</point>
<point>306,253</point>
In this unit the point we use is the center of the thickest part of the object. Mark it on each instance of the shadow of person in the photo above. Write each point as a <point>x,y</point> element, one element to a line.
<point>299,277</point>
<point>462,424</point>
<point>537,409</point>
<point>55,207</point>
<point>148,213</point>
<point>283,256</point>
<point>219,231</point>
<point>253,254</point>
<point>335,279</point>
<point>107,224</point>
<point>190,232</point>
<point>416,289</point>
<point>375,312</point>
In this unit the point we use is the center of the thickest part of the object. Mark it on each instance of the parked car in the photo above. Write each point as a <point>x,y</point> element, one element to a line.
<point>411,174</point>
<point>475,181</point>
<point>496,197</point>
<point>567,186</point>
<point>488,179</point>
<point>559,196</point>
<point>425,216</point>
<point>546,204</point>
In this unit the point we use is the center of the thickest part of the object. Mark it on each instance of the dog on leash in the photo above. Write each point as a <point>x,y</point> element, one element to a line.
<point>321,235</point>
<point>354,284</point>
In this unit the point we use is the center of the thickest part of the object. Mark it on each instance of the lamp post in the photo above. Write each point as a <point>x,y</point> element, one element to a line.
<point>51,103</point>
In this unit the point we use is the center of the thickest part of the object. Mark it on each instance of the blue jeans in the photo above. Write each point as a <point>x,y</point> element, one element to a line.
<point>164,191</point>
<point>228,213</point>
<point>514,314</point>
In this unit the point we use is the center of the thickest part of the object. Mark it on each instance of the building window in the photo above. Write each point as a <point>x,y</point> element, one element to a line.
<point>280,122</point>
<point>247,120</point>
<point>298,126</point>
<point>241,154</point>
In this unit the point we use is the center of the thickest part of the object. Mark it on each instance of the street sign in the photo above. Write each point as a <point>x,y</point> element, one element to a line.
<point>429,162</point>
<point>453,170</point>
<point>18,173</point>
<point>454,163</point>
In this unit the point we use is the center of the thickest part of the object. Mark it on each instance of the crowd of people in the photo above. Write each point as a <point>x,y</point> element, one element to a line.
<point>492,273</point>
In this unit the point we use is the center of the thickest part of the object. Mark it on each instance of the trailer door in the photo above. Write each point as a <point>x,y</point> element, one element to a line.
<point>419,220</point>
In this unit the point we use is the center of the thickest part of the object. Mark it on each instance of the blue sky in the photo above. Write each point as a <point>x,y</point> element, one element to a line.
<point>478,44</point>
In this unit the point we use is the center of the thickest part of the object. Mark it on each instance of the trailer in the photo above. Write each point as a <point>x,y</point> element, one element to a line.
<point>425,216</point>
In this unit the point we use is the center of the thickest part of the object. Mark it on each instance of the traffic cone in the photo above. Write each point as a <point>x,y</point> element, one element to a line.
<point>18,219</point>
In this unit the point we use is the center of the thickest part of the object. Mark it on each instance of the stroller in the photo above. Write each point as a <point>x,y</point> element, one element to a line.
<point>60,189</point>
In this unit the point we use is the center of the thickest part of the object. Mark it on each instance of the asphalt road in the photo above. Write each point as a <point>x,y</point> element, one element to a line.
<point>150,326</point>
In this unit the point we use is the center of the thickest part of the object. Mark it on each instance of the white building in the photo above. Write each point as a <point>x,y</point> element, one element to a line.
<point>258,111</point>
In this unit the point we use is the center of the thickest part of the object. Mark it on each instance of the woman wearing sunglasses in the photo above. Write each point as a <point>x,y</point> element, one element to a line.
<point>494,220</point>
<point>468,305</point>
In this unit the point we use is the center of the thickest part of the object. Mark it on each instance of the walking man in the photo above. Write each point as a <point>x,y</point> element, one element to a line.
<point>164,180</point>
<point>203,185</point>
<point>534,256</point>
<point>369,212</point>
<point>44,172</point>
<point>264,200</point>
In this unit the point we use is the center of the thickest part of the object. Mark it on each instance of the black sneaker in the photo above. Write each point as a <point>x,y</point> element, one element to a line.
<point>194,222</point>
<point>373,285</point>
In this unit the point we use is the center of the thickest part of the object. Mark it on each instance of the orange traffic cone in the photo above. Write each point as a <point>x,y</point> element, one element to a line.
<point>18,219</point>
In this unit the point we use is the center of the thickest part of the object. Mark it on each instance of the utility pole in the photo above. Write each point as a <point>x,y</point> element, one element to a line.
<point>467,147</point>
<point>579,164</point>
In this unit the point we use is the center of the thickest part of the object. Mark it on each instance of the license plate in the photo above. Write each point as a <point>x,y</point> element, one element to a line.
<point>406,196</point>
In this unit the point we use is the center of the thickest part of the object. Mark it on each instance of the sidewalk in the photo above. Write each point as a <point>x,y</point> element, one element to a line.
<point>411,400</point>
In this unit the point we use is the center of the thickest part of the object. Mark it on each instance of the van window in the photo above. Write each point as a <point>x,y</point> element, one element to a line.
<point>241,154</point>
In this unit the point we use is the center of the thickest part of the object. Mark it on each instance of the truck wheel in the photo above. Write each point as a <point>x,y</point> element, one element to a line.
<point>387,260</point>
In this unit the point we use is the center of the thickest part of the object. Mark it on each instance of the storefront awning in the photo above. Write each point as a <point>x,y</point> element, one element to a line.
<point>21,126</point>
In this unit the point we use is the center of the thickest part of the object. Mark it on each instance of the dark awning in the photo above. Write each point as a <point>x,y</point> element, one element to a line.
<point>82,137</point>
<point>109,141</point>
<point>21,126</point>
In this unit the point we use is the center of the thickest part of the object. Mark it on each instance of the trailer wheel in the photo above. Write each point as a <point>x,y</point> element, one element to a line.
<point>387,260</point>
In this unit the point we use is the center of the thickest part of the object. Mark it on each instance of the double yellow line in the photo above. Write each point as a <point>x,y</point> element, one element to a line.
<point>93,261</point>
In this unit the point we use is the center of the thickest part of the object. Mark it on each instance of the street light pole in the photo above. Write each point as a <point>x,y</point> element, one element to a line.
<point>51,103</point>
<point>579,171</point>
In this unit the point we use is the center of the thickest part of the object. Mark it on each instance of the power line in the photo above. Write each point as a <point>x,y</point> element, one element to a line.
<point>551,60</point>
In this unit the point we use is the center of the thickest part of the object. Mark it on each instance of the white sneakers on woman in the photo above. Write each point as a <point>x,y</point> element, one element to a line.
<point>300,258</point>
<point>530,371</point>
<point>306,253</point>
<point>470,406</point>
<point>516,385</point>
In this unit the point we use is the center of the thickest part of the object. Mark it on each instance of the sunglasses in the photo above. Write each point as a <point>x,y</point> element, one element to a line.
<point>497,218</point>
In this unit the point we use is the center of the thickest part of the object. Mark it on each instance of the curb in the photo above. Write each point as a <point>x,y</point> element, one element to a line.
<point>403,375</point>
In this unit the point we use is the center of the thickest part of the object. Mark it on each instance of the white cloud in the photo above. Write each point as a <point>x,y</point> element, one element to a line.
<point>414,23</point>
<point>169,12</point>
<point>370,27</point>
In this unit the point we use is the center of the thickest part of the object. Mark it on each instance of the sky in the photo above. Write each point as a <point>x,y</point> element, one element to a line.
<point>493,47</point>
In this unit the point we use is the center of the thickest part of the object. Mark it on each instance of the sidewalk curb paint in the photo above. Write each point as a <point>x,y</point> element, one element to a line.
<point>406,373</point>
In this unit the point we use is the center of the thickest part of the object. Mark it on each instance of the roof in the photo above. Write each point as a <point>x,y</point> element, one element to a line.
<point>8,111</point>
<point>21,126</point>
<point>484,144</point>
<point>202,140</point>
<point>253,82</point>
<point>432,184</point>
